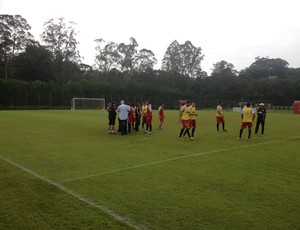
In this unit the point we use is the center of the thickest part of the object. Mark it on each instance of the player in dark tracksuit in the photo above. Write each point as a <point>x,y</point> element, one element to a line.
<point>261,117</point>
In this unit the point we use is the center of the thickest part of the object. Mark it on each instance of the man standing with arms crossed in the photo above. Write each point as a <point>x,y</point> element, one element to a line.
<point>248,115</point>
<point>261,117</point>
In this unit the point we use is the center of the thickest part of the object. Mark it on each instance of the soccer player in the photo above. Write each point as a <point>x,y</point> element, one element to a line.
<point>261,117</point>
<point>193,115</point>
<point>220,116</point>
<point>131,117</point>
<point>161,115</point>
<point>144,115</point>
<point>138,114</point>
<point>185,117</point>
<point>248,115</point>
<point>149,118</point>
<point>111,117</point>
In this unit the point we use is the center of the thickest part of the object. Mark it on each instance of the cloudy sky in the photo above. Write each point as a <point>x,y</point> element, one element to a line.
<point>236,31</point>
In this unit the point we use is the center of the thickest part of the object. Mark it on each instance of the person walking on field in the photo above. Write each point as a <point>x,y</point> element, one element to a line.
<point>247,115</point>
<point>161,115</point>
<point>261,117</point>
<point>220,117</point>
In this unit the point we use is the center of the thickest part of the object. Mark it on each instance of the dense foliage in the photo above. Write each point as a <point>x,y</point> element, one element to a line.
<point>48,75</point>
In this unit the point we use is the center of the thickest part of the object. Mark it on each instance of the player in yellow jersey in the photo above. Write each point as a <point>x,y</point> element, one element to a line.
<point>248,115</point>
<point>144,114</point>
<point>220,116</point>
<point>185,117</point>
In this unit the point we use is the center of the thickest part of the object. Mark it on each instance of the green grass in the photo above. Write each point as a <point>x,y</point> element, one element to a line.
<point>156,181</point>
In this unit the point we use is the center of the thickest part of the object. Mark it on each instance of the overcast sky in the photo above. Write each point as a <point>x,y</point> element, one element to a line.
<point>236,31</point>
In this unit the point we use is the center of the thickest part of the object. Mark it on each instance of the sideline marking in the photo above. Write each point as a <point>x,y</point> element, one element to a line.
<point>168,160</point>
<point>86,200</point>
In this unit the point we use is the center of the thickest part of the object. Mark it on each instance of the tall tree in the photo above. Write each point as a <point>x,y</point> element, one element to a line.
<point>107,57</point>
<point>144,60</point>
<point>128,53</point>
<point>223,68</point>
<point>184,59</point>
<point>60,38</point>
<point>14,37</point>
<point>267,67</point>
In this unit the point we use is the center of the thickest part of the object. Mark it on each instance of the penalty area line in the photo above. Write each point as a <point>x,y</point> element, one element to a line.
<point>82,198</point>
<point>167,160</point>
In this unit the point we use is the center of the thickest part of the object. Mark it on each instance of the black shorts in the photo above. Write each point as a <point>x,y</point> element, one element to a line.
<point>111,121</point>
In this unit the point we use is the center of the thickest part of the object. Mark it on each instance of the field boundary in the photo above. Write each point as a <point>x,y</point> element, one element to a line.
<point>82,198</point>
<point>173,159</point>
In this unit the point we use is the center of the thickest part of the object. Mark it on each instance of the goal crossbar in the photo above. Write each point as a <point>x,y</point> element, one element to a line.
<point>87,103</point>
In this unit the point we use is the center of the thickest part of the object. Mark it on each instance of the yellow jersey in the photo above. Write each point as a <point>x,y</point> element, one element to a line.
<point>185,115</point>
<point>192,113</point>
<point>247,114</point>
<point>144,109</point>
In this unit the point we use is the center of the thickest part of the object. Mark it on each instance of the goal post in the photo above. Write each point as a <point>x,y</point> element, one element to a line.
<point>87,103</point>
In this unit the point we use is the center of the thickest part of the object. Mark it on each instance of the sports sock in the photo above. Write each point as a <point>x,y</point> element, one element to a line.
<point>181,132</point>
<point>241,133</point>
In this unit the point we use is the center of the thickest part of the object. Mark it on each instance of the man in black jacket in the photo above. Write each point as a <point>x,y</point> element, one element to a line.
<point>261,117</point>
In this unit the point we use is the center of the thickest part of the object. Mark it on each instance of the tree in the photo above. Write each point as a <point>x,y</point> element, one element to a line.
<point>223,68</point>
<point>60,38</point>
<point>14,37</point>
<point>128,53</point>
<point>267,67</point>
<point>36,63</point>
<point>184,59</point>
<point>144,60</point>
<point>107,57</point>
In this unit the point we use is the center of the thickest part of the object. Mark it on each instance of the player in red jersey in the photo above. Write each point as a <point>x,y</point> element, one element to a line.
<point>161,115</point>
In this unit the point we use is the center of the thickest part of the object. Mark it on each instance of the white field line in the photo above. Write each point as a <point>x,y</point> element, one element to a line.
<point>170,159</point>
<point>82,198</point>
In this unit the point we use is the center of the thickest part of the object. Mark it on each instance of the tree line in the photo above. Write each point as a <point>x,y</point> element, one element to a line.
<point>48,75</point>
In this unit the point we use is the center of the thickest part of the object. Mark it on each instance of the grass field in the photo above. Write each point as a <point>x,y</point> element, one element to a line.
<point>62,170</point>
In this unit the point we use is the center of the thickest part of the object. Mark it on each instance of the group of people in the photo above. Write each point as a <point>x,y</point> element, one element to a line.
<point>248,114</point>
<point>187,117</point>
<point>131,116</point>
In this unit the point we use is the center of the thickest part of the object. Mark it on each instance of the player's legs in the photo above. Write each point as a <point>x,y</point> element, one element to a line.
<point>258,121</point>
<point>262,127</point>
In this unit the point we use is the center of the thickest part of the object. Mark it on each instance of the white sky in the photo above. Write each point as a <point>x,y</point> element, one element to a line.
<point>236,31</point>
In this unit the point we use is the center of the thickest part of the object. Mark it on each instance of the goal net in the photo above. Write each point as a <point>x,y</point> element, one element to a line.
<point>87,103</point>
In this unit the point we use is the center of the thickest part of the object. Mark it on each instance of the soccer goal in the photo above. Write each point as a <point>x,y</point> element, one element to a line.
<point>87,103</point>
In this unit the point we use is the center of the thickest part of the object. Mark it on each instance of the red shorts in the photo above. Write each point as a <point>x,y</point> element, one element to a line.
<point>220,120</point>
<point>149,120</point>
<point>144,118</point>
<point>161,119</point>
<point>185,124</point>
<point>193,123</point>
<point>246,124</point>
